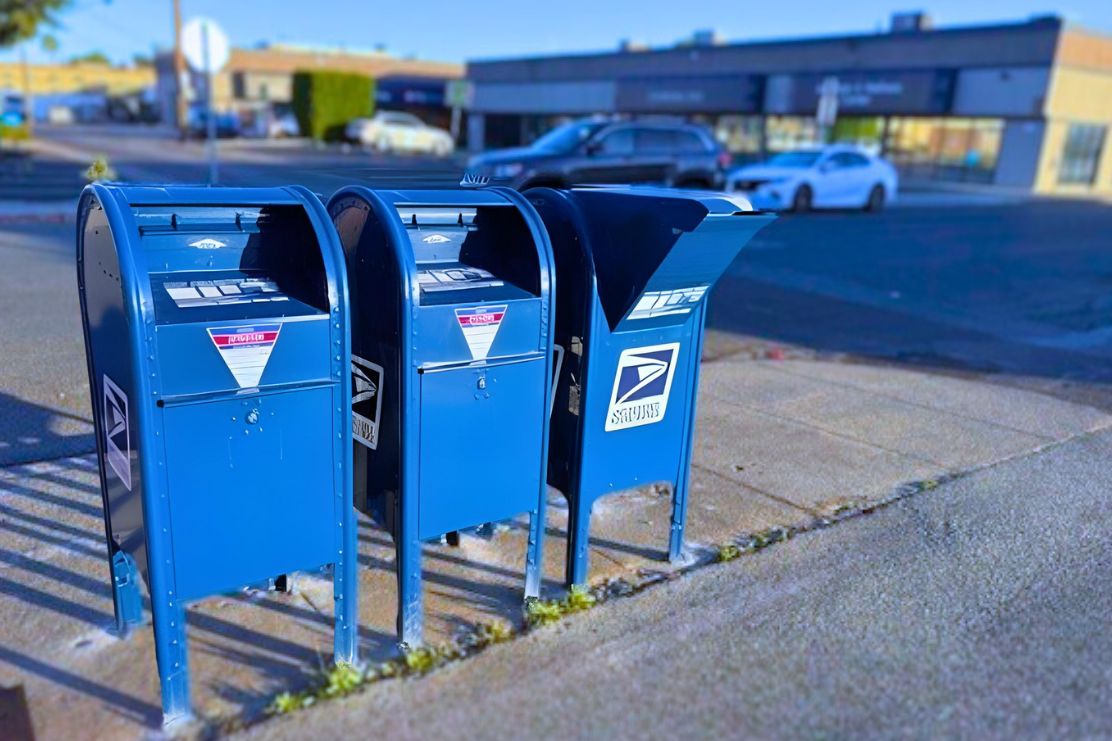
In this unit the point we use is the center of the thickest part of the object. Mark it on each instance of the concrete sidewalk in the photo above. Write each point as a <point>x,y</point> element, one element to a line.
<point>784,438</point>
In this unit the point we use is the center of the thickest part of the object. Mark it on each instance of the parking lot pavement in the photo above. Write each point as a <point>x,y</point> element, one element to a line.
<point>152,155</point>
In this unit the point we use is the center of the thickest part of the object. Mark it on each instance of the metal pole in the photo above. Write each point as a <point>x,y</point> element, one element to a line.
<point>179,74</point>
<point>210,145</point>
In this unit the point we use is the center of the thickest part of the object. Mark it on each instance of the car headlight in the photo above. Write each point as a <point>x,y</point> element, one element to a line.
<point>507,170</point>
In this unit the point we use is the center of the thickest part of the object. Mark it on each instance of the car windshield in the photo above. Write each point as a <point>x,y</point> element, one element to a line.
<point>567,137</point>
<point>795,159</point>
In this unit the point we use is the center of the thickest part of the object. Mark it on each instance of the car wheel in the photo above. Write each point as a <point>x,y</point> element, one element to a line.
<point>382,144</point>
<point>803,199</point>
<point>876,199</point>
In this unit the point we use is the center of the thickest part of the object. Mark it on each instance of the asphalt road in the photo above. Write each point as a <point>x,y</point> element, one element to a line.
<point>977,610</point>
<point>148,154</point>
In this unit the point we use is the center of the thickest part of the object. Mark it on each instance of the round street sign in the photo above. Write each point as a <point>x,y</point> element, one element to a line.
<point>205,45</point>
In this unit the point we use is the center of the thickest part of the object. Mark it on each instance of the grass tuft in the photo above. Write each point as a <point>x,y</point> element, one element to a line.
<point>727,552</point>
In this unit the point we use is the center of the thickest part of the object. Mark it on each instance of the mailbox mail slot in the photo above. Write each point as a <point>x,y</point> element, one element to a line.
<point>633,266</point>
<point>452,368</point>
<point>216,332</point>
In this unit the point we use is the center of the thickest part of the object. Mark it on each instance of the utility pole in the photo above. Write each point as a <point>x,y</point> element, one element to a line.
<point>179,72</point>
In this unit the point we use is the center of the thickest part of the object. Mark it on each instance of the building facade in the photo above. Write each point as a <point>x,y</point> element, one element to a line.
<point>78,77</point>
<point>255,80</point>
<point>1022,104</point>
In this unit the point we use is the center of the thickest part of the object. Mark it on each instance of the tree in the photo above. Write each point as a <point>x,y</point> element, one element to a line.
<point>92,57</point>
<point>22,19</point>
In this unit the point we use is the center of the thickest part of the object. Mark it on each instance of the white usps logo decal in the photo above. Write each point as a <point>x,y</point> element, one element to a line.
<point>642,384</point>
<point>435,239</point>
<point>208,244</point>
<point>117,435</point>
<point>366,400</point>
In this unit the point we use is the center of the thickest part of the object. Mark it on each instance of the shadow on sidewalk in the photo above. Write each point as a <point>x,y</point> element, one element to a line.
<point>32,432</point>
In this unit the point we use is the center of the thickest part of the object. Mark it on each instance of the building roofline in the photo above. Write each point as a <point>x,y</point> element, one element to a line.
<point>1045,21</point>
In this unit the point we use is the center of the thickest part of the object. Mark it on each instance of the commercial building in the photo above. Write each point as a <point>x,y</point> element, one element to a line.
<point>1025,104</point>
<point>87,91</point>
<point>257,79</point>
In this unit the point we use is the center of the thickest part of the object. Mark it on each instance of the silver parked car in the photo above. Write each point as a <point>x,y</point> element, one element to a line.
<point>395,131</point>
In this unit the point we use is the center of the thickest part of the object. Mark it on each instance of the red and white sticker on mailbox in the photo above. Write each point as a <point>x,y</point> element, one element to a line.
<point>246,350</point>
<point>480,325</point>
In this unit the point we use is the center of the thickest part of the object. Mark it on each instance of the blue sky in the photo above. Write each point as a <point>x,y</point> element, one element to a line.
<point>456,30</point>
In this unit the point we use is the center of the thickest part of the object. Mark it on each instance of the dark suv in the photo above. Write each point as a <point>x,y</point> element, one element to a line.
<point>588,152</point>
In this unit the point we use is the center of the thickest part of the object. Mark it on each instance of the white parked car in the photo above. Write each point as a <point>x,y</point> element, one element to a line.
<point>394,131</point>
<point>838,176</point>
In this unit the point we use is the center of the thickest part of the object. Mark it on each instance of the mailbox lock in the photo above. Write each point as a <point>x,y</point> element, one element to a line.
<point>482,382</point>
<point>252,417</point>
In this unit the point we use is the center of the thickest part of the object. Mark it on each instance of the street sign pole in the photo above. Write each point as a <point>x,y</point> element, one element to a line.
<point>205,47</point>
<point>210,119</point>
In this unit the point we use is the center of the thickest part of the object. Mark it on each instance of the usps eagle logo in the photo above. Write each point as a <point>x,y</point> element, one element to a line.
<point>208,243</point>
<point>435,239</point>
<point>366,401</point>
<point>642,384</point>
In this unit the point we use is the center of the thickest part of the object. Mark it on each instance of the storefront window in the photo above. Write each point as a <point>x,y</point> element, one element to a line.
<point>1081,154</point>
<point>740,135</point>
<point>791,132</point>
<point>945,148</point>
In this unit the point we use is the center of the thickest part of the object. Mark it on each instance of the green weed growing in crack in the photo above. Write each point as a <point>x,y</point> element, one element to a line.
<point>340,680</point>
<point>540,612</point>
<point>287,702</point>
<point>727,552</point>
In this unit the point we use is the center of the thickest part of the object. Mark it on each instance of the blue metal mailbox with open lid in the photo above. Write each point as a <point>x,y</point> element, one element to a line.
<point>633,267</point>
<point>217,335</point>
<point>452,364</point>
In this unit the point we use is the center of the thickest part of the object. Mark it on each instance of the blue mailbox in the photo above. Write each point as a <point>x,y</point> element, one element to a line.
<point>217,336</point>
<point>633,267</point>
<point>452,366</point>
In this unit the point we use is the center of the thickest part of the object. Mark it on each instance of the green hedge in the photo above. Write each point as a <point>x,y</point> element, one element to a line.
<point>324,102</point>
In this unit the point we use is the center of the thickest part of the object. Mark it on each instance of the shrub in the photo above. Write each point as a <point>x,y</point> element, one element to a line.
<point>324,102</point>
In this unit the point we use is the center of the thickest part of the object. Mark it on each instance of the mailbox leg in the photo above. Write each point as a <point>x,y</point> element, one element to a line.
<point>345,591</point>
<point>534,552</point>
<point>411,618</point>
<point>579,525</point>
<point>679,520</point>
<point>126,600</point>
<point>173,666</point>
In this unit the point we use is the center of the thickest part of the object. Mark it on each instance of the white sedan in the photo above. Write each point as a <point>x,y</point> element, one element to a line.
<point>394,131</point>
<point>833,177</point>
